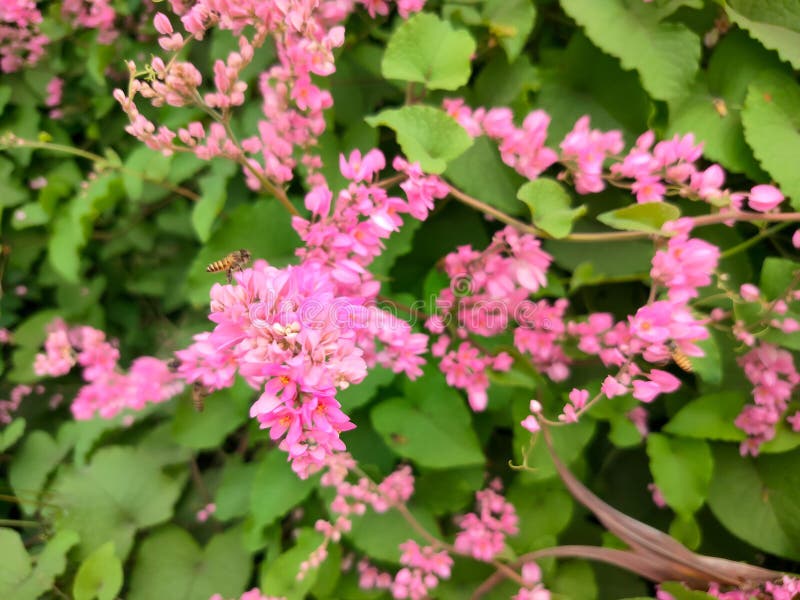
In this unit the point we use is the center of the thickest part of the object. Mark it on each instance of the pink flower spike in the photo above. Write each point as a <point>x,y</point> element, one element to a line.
<point>796,239</point>
<point>764,198</point>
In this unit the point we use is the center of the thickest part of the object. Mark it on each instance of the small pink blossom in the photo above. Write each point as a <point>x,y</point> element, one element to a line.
<point>764,198</point>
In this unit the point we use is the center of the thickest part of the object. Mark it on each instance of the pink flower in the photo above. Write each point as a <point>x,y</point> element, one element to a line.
<point>764,198</point>
<point>749,292</point>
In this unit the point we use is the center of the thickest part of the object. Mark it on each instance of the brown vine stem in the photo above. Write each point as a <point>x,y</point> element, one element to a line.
<point>610,236</point>
<point>101,161</point>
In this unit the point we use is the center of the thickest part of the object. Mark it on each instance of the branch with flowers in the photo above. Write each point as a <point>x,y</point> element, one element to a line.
<point>461,293</point>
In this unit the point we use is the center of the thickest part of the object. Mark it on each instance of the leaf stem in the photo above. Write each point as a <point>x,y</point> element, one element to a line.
<point>102,162</point>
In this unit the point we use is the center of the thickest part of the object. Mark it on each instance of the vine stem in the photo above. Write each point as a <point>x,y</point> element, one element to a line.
<point>102,161</point>
<point>700,221</point>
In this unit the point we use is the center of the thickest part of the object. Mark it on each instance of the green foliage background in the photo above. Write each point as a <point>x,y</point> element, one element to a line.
<point>119,236</point>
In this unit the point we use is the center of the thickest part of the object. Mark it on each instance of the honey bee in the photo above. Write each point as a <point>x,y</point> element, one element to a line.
<point>680,358</point>
<point>199,393</point>
<point>235,261</point>
<point>720,107</point>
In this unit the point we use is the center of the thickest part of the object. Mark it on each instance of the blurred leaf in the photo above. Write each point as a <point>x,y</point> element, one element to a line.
<point>710,417</point>
<point>11,433</point>
<point>448,491</point>
<point>648,217</point>
<point>427,135</point>
<point>574,579</point>
<point>33,461</point>
<point>21,581</point>
<point>276,489</point>
<point>666,55</point>
<point>121,491</point>
<point>99,576</point>
<point>171,564</point>
<point>144,162</point>
<point>682,470</point>
<point>435,434</point>
<point>233,494</point>
<point>223,412</point>
<point>214,192</point>
<point>550,205</point>
<point>544,509</point>
<point>500,83</point>
<point>686,530</point>
<point>279,576</point>
<point>511,21</point>
<point>379,534</point>
<point>428,50</point>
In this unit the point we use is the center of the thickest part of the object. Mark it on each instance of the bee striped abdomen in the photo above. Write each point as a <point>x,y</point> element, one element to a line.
<point>682,360</point>
<point>219,265</point>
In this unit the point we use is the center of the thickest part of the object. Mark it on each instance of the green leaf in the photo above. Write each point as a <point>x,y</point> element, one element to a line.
<point>171,564</point>
<point>144,162</point>
<point>774,24</point>
<point>772,128</point>
<point>20,581</point>
<point>666,55</point>
<point>679,592</point>
<point>550,205</point>
<point>11,433</point>
<point>686,530</point>
<point>568,443</point>
<point>544,509</point>
<point>245,227</point>
<point>426,134</point>
<point>648,217</point>
<point>357,395</point>
<point>574,579</point>
<point>757,500</point>
<point>500,83</point>
<point>682,469</point>
<point>379,535</point>
<point>118,493</point>
<point>777,277</point>
<point>279,576</point>
<point>435,433</point>
<point>233,494</point>
<point>99,576</point>
<point>708,367</point>
<point>428,50</point>
<point>213,194</point>
<point>33,461</point>
<point>710,417</point>
<point>447,490</point>
<point>481,173</point>
<point>511,21</point>
<point>223,412</point>
<point>276,489</point>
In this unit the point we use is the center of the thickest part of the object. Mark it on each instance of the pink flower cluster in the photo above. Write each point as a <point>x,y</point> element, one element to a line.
<point>774,376</point>
<point>523,148</point>
<point>489,293</point>
<point>15,397</point>
<point>21,41</point>
<point>483,533</point>
<point>291,336</point>
<point>534,589</point>
<point>648,170</point>
<point>343,236</point>
<point>254,594</point>
<point>92,14</point>
<point>108,390</point>
<point>55,89</point>
<point>305,33</point>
